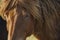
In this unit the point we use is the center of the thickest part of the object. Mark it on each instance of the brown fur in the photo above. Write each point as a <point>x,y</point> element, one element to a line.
<point>44,13</point>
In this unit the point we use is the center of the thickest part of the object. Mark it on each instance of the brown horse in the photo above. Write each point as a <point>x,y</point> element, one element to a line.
<point>26,17</point>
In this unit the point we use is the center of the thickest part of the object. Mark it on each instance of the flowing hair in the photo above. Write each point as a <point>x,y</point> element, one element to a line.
<point>46,14</point>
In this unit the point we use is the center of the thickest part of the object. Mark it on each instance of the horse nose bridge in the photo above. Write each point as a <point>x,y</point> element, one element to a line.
<point>19,38</point>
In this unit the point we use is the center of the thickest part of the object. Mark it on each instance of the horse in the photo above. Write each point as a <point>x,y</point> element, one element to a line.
<point>25,17</point>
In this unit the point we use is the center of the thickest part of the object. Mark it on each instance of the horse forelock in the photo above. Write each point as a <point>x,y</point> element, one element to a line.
<point>21,7</point>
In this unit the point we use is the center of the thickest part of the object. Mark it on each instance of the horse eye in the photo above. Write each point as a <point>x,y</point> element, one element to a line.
<point>26,17</point>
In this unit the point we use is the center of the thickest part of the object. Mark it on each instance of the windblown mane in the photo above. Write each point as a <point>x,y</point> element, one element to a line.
<point>46,14</point>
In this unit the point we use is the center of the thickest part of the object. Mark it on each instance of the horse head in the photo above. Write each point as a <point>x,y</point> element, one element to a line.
<point>26,17</point>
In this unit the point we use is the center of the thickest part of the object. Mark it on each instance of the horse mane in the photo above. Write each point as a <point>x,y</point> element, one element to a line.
<point>46,27</point>
<point>46,14</point>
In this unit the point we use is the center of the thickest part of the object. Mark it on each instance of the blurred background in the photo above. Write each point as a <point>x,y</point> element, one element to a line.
<point>3,30</point>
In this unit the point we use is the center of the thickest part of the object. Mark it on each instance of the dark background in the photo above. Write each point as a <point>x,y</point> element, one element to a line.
<point>3,30</point>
